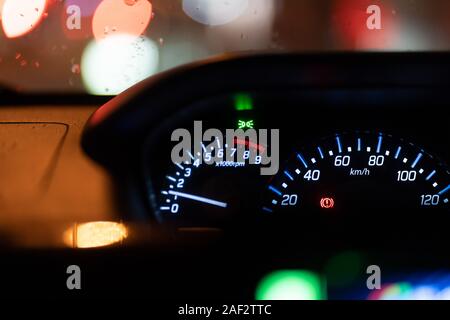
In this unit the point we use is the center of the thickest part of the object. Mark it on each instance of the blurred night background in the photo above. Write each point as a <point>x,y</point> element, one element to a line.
<point>105,46</point>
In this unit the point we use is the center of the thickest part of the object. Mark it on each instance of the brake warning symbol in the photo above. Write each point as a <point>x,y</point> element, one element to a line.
<point>327,203</point>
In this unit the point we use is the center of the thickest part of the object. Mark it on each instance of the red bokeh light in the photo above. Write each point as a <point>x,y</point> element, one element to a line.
<point>121,16</point>
<point>350,24</point>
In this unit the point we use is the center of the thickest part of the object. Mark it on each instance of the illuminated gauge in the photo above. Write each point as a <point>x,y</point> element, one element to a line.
<point>356,172</point>
<point>197,194</point>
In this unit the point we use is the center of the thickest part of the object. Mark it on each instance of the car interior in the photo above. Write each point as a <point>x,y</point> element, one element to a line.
<point>239,150</point>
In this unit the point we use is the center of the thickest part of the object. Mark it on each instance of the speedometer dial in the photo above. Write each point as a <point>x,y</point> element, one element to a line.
<point>355,171</point>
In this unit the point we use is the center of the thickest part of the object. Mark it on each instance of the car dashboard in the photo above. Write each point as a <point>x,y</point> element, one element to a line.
<point>235,168</point>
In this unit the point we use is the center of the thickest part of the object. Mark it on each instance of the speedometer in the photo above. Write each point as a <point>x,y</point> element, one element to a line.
<point>356,171</point>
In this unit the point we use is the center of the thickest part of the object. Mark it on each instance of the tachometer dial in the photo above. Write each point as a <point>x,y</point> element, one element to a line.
<point>197,194</point>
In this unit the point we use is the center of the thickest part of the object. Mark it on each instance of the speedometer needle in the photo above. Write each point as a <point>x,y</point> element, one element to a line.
<point>200,199</point>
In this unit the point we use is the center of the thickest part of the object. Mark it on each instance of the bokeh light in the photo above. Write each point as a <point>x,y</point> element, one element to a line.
<point>87,7</point>
<point>395,291</point>
<point>252,30</point>
<point>291,285</point>
<point>114,17</point>
<point>95,234</point>
<point>344,269</point>
<point>1,8</point>
<point>114,64</point>
<point>215,12</point>
<point>424,293</point>
<point>444,294</point>
<point>20,17</point>
<point>425,287</point>
<point>350,20</point>
<point>77,18</point>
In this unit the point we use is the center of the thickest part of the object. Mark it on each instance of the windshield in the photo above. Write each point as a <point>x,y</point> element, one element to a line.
<point>102,47</point>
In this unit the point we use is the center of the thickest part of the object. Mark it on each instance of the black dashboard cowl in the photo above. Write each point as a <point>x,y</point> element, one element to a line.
<point>117,128</point>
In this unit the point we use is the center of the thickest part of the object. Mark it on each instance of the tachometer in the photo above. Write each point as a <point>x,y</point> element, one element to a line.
<point>356,171</point>
<point>196,194</point>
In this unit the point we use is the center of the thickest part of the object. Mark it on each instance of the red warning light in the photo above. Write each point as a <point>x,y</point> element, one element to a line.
<point>327,203</point>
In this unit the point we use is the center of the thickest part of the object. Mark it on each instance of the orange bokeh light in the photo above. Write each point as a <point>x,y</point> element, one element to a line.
<point>20,17</point>
<point>1,8</point>
<point>121,17</point>
<point>95,234</point>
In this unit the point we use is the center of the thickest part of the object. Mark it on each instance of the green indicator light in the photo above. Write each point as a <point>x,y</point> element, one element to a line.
<point>291,285</point>
<point>242,124</point>
<point>243,102</point>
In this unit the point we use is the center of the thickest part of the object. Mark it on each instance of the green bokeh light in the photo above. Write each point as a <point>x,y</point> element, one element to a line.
<point>243,102</point>
<point>396,291</point>
<point>291,285</point>
<point>344,269</point>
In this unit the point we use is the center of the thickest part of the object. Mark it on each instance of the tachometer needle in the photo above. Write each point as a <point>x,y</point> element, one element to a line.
<point>200,199</point>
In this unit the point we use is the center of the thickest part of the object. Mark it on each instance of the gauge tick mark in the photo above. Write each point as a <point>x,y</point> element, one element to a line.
<point>419,156</point>
<point>444,190</point>
<point>299,156</point>
<point>397,154</point>
<point>320,152</point>
<point>180,166</point>
<point>276,191</point>
<point>287,174</point>
<point>380,141</point>
<point>338,141</point>
<point>430,175</point>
